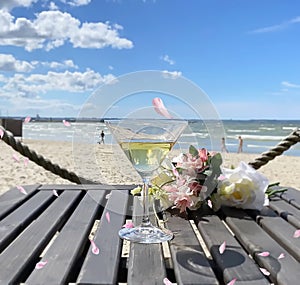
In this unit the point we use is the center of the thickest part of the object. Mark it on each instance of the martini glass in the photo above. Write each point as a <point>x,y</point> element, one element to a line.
<point>146,144</point>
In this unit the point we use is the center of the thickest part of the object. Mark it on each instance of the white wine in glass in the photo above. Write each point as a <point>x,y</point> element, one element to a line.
<point>146,144</point>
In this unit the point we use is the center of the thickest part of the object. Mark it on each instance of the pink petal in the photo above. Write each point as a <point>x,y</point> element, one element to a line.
<point>15,158</point>
<point>40,264</point>
<point>221,177</point>
<point>55,193</point>
<point>27,120</point>
<point>107,216</point>
<point>128,225</point>
<point>22,190</point>
<point>1,133</point>
<point>66,123</point>
<point>160,108</point>
<point>264,271</point>
<point>282,255</point>
<point>95,249</point>
<point>264,253</point>
<point>231,282</point>
<point>167,281</point>
<point>296,234</point>
<point>209,203</point>
<point>26,160</point>
<point>222,247</point>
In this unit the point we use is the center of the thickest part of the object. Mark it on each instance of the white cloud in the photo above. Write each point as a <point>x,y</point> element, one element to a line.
<point>171,74</point>
<point>36,84</point>
<point>77,2</point>
<point>290,85</point>
<point>10,4</point>
<point>52,29</point>
<point>9,63</point>
<point>277,27</point>
<point>52,6</point>
<point>167,59</point>
<point>56,65</point>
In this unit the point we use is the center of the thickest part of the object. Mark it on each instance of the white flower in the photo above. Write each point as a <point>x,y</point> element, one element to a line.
<point>242,187</point>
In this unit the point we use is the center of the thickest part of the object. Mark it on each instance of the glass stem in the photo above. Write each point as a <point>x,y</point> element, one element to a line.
<point>145,200</point>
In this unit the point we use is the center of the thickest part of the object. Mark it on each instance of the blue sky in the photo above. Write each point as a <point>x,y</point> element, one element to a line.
<point>244,54</point>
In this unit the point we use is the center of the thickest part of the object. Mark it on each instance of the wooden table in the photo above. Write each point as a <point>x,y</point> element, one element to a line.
<point>40,226</point>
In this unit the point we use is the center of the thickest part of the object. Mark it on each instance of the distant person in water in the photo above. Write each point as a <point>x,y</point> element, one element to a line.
<point>102,135</point>
<point>240,149</point>
<point>223,145</point>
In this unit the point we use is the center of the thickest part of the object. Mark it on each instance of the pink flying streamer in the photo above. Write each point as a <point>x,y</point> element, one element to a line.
<point>40,264</point>
<point>296,234</point>
<point>160,108</point>
<point>264,253</point>
<point>1,133</point>
<point>27,120</point>
<point>95,249</point>
<point>22,190</point>
<point>66,123</point>
<point>107,216</point>
<point>222,247</point>
<point>167,281</point>
<point>232,281</point>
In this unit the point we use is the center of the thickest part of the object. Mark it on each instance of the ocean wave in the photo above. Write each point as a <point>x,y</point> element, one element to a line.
<point>258,146</point>
<point>259,137</point>
<point>243,131</point>
<point>289,128</point>
<point>267,128</point>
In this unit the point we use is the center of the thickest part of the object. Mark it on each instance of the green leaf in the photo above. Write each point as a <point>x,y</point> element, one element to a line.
<point>193,151</point>
<point>162,179</point>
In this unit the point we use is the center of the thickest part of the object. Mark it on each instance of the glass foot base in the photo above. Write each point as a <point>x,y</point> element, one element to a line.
<point>149,234</point>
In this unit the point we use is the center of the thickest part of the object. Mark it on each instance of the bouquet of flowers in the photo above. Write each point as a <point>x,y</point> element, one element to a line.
<point>197,176</point>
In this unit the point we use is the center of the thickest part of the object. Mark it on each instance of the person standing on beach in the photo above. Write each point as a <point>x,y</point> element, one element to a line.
<point>240,149</point>
<point>223,145</point>
<point>102,135</point>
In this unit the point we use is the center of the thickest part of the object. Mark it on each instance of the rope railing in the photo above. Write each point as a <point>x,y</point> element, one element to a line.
<point>23,149</point>
<point>284,145</point>
<point>41,161</point>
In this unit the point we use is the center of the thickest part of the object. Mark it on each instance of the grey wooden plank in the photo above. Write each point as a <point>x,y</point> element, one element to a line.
<point>86,187</point>
<point>292,196</point>
<point>286,211</point>
<point>189,261</point>
<point>103,268</point>
<point>146,263</point>
<point>256,240</point>
<point>279,229</point>
<point>68,247</point>
<point>15,222</point>
<point>234,262</point>
<point>20,257</point>
<point>13,198</point>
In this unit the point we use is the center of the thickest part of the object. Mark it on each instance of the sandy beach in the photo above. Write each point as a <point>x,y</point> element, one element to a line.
<point>107,164</point>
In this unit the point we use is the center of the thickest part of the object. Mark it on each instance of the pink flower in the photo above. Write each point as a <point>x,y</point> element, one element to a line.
<point>183,201</point>
<point>203,154</point>
<point>195,188</point>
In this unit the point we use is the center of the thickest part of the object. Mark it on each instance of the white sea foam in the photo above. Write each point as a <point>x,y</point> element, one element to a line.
<point>258,137</point>
<point>242,131</point>
<point>267,129</point>
<point>288,128</point>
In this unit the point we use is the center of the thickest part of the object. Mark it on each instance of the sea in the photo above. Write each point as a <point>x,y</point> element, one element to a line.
<point>258,135</point>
